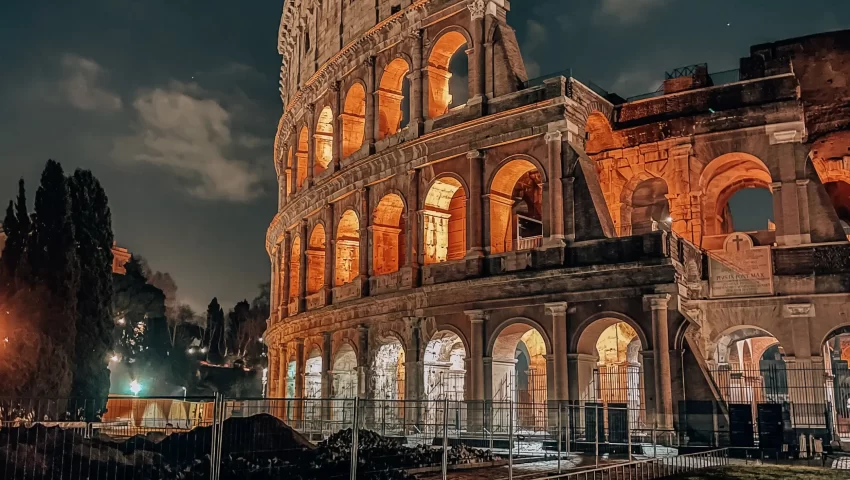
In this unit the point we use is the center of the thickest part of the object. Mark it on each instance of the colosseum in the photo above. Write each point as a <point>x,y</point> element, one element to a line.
<point>448,228</point>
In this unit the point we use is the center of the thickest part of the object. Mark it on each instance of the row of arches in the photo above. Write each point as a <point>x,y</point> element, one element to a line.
<point>521,366</point>
<point>516,223</point>
<point>447,75</point>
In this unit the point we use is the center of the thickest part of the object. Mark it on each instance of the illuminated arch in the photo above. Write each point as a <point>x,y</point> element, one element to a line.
<point>301,156</point>
<point>439,95</point>
<point>444,221</point>
<point>445,366</point>
<point>390,95</point>
<point>518,349</point>
<point>347,248</point>
<point>324,138</point>
<point>316,260</point>
<point>516,224</point>
<point>647,207</point>
<point>721,179</point>
<point>295,268</point>
<point>353,119</point>
<point>600,135</point>
<point>388,232</point>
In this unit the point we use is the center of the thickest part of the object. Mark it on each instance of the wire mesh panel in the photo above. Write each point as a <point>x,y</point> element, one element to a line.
<point>147,438</point>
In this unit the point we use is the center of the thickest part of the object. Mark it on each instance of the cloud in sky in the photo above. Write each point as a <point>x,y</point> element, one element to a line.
<point>81,85</point>
<point>627,11</point>
<point>185,131</point>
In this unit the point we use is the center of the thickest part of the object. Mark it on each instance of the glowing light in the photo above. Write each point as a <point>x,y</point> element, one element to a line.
<point>191,350</point>
<point>135,387</point>
<point>668,219</point>
<point>260,340</point>
<point>113,358</point>
<point>204,350</point>
<point>121,321</point>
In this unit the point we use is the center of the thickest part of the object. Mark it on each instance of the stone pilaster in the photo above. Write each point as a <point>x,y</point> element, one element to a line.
<point>330,254</point>
<point>417,92</point>
<point>286,277</point>
<point>475,224</point>
<point>413,235</point>
<point>362,360</point>
<point>300,377</point>
<point>475,390</point>
<point>302,270</point>
<point>477,9</point>
<point>327,366</point>
<point>371,127</point>
<point>554,143</point>
<point>558,312</point>
<point>365,241</point>
<point>310,114</point>
<point>337,129</point>
<point>658,305</point>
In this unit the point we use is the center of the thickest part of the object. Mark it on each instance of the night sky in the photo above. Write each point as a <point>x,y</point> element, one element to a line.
<point>173,104</point>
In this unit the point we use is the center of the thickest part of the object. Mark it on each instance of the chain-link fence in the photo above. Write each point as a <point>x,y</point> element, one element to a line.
<point>222,438</point>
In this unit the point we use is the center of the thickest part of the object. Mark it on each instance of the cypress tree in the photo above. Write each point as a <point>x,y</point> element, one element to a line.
<point>16,226</point>
<point>53,261</point>
<point>92,222</point>
<point>215,326</point>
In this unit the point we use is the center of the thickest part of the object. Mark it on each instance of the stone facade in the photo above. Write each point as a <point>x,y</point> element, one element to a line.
<point>534,208</point>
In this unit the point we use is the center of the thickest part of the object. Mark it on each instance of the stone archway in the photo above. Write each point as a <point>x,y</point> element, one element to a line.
<point>347,256</point>
<point>722,178</point>
<point>353,119</point>
<point>295,269</point>
<point>316,260</point>
<point>444,221</point>
<point>516,207</point>
<point>440,96</point>
<point>520,370</point>
<point>324,138</point>
<point>388,232</point>
<point>392,101</point>
<point>301,157</point>
<point>344,382</point>
<point>313,386</point>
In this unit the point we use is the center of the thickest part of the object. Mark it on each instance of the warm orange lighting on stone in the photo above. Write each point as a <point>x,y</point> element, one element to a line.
<point>389,96</point>
<point>347,248</point>
<point>301,156</point>
<point>295,268</point>
<point>444,221</point>
<point>439,97</point>
<point>324,140</point>
<point>316,260</point>
<point>388,235</point>
<point>353,119</point>
<point>515,190</point>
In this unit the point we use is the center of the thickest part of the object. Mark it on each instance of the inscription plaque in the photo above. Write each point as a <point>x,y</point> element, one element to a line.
<point>740,269</point>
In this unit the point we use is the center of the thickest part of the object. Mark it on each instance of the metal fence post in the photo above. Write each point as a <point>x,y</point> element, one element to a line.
<point>217,436</point>
<point>511,439</point>
<point>355,433</point>
<point>629,432</point>
<point>445,462</point>
<point>596,433</point>
<point>559,437</point>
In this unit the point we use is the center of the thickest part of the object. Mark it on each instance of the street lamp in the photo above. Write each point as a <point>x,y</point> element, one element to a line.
<point>184,393</point>
<point>135,388</point>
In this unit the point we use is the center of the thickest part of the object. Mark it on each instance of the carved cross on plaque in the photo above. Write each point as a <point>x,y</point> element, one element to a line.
<point>738,241</point>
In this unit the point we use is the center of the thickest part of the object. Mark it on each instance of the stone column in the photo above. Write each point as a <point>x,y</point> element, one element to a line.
<point>414,373</point>
<point>293,177</point>
<point>477,9</point>
<point>475,218</point>
<point>365,241</point>
<point>558,312</point>
<point>330,254</point>
<point>475,389</point>
<point>310,114</point>
<point>276,293</point>
<point>417,93</point>
<point>370,129</point>
<point>663,385</point>
<point>362,360</point>
<point>283,379</point>
<point>300,377</point>
<point>413,246</point>
<point>556,189</point>
<point>327,379</point>
<point>302,270</point>
<point>287,286</point>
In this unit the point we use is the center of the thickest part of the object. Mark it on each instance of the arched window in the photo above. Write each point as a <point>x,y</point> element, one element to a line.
<point>289,172</point>
<point>650,208</point>
<point>301,155</point>
<point>347,248</point>
<point>724,177</point>
<point>393,103</point>
<point>316,260</point>
<point>324,140</point>
<point>448,74</point>
<point>388,233</point>
<point>444,221</point>
<point>353,119</point>
<point>516,208</point>
<point>749,209</point>
<point>295,268</point>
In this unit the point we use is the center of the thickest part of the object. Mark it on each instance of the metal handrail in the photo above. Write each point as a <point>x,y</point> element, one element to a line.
<point>648,469</point>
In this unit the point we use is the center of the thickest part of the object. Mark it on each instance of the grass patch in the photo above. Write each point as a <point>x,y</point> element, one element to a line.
<point>768,472</point>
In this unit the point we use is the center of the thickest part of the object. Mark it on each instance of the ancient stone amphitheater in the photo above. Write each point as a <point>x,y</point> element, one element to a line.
<point>449,228</point>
